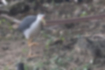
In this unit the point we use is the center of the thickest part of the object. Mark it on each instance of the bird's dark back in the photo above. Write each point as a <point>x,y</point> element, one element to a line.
<point>26,23</point>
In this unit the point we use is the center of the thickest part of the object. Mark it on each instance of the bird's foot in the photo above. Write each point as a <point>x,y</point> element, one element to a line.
<point>33,44</point>
<point>30,56</point>
<point>33,56</point>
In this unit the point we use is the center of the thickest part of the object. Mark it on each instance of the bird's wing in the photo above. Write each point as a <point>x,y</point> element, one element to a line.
<point>26,23</point>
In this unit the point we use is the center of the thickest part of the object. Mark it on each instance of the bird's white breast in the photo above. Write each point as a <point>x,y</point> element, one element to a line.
<point>33,30</point>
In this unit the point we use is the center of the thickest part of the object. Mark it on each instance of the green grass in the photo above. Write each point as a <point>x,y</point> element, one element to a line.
<point>6,68</point>
<point>25,50</point>
<point>84,13</point>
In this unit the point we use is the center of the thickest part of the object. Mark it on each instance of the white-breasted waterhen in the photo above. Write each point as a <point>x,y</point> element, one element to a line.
<point>31,27</point>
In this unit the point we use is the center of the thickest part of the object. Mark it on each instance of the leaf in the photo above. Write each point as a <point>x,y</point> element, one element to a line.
<point>25,67</point>
<point>0,22</point>
<point>39,64</point>
<point>48,42</point>
<point>84,13</point>
<point>86,67</point>
<point>62,38</point>
<point>3,20</point>
<point>10,26</point>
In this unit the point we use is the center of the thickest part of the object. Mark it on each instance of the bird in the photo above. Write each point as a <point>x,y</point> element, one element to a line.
<point>78,1</point>
<point>4,2</point>
<point>30,27</point>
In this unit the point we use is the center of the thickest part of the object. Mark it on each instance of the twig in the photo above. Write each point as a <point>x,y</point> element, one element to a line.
<point>11,18</point>
<point>77,19</point>
<point>64,21</point>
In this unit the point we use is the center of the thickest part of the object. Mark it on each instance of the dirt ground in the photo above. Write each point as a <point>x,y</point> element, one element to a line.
<point>56,43</point>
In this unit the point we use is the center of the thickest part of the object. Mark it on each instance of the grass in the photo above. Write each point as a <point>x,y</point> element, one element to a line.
<point>84,13</point>
<point>5,21</point>
<point>25,50</point>
<point>54,63</point>
<point>39,65</point>
<point>6,68</point>
<point>26,67</point>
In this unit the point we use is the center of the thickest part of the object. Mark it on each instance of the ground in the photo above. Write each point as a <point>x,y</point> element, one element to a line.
<point>57,43</point>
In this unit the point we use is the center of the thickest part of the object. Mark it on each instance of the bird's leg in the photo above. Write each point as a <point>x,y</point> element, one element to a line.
<point>31,44</point>
<point>30,53</point>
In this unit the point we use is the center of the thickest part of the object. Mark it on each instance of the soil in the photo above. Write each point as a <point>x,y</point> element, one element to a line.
<point>58,44</point>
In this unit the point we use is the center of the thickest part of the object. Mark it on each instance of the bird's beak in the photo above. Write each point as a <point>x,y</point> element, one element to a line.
<point>43,21</point>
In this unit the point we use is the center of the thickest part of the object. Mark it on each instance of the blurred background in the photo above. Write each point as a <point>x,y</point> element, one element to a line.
<point>72,46</point>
